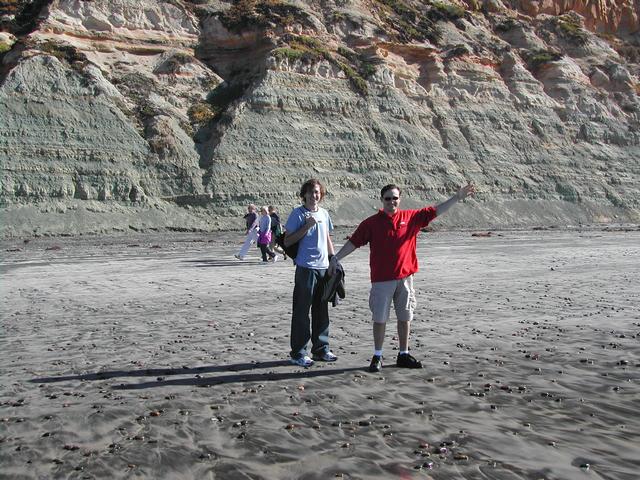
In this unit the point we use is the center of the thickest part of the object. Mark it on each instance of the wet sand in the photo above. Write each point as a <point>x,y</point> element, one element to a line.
<point>164,357</point>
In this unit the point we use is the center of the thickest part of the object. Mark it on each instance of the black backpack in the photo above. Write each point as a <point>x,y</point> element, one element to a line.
<point>291,250</point>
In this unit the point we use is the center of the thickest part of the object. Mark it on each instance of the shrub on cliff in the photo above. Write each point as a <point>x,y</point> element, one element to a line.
<point>308,49</point>
<point>302,48</point>
<point>261,13</point>
<point>445,11</point>
<point>65,53</point>
<point>408,23</point>
<point>571,28</point>
<point>507,24</point>
<point>536,59</point>
<point>200,113</point>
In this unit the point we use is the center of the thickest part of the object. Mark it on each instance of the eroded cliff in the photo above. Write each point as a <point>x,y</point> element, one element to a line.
<point>175,114</point>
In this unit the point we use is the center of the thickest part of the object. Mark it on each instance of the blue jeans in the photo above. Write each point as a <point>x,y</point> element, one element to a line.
<point>307,295</point>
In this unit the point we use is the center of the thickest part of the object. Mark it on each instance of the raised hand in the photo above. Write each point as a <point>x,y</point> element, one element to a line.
<point>467,190</point>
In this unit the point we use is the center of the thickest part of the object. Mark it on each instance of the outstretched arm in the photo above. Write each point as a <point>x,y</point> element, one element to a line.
<point>346,249</point>
<point>464,192</point>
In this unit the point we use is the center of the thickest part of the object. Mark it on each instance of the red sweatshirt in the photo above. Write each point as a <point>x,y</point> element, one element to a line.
<point>392,240</point>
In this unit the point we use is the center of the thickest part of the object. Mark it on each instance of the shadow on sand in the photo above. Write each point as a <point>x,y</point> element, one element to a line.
<point>198,371</point>
<point>224,262</point>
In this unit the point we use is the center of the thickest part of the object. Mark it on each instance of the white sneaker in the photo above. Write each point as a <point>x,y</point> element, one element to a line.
<point>275,258</point>
<point>303,361</point>
<point>238,257</point>
<point>325,357</point>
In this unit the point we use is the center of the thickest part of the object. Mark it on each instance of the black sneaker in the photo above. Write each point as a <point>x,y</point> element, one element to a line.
<point>407,361</point>
<point>376,364</point>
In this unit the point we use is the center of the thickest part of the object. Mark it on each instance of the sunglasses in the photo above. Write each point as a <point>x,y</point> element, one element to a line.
<point>388,199</point>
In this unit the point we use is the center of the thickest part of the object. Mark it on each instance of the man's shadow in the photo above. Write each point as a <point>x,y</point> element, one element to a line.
<point>198,380</point>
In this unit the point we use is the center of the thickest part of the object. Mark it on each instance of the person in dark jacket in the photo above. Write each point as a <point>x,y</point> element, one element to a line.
<point>276,229</point>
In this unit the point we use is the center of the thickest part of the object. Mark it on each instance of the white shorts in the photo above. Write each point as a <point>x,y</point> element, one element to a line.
<point>400,292</point>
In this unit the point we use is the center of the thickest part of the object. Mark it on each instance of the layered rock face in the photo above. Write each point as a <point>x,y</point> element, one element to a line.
<point>146,114</point>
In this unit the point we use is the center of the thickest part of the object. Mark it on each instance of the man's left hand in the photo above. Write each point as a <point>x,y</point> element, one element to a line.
<point>467,190</point>
<point>333,265</point>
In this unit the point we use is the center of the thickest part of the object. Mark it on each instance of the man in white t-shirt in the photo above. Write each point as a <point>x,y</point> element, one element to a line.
<point>310,225</point>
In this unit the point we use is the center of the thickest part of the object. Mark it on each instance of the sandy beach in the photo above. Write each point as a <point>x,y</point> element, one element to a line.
<point>162,356</point>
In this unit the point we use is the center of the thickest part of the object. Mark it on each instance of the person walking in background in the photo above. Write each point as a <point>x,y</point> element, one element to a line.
<point>310,225</point>
<point>391,234</point>
<point>276,230</point>
<point>251,220</point>
<point>264,236</point>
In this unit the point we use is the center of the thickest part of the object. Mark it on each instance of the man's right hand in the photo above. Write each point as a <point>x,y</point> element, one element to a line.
<point>311,221</point>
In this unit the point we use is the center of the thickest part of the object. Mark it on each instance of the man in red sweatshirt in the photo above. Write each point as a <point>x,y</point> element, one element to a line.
<point>391,234</point>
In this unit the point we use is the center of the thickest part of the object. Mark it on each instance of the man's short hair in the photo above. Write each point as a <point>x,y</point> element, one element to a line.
<point>386,188</point>
<point>310,185</point>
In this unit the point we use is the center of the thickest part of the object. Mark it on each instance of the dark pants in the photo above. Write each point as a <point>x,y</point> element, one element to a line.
<point>264,248</point>
<point>307,295</point>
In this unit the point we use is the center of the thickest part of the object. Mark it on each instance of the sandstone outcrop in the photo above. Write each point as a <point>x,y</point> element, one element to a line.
<point>175,114</point>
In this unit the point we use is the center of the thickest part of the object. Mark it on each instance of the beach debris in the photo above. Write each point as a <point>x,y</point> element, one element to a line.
<point>114,447</point>
<point>71,448</point>
<point>585,466</point>
<point>460,456</point>
<point>290,426</point>
<point>426,465</point>
<point>482,234</point>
